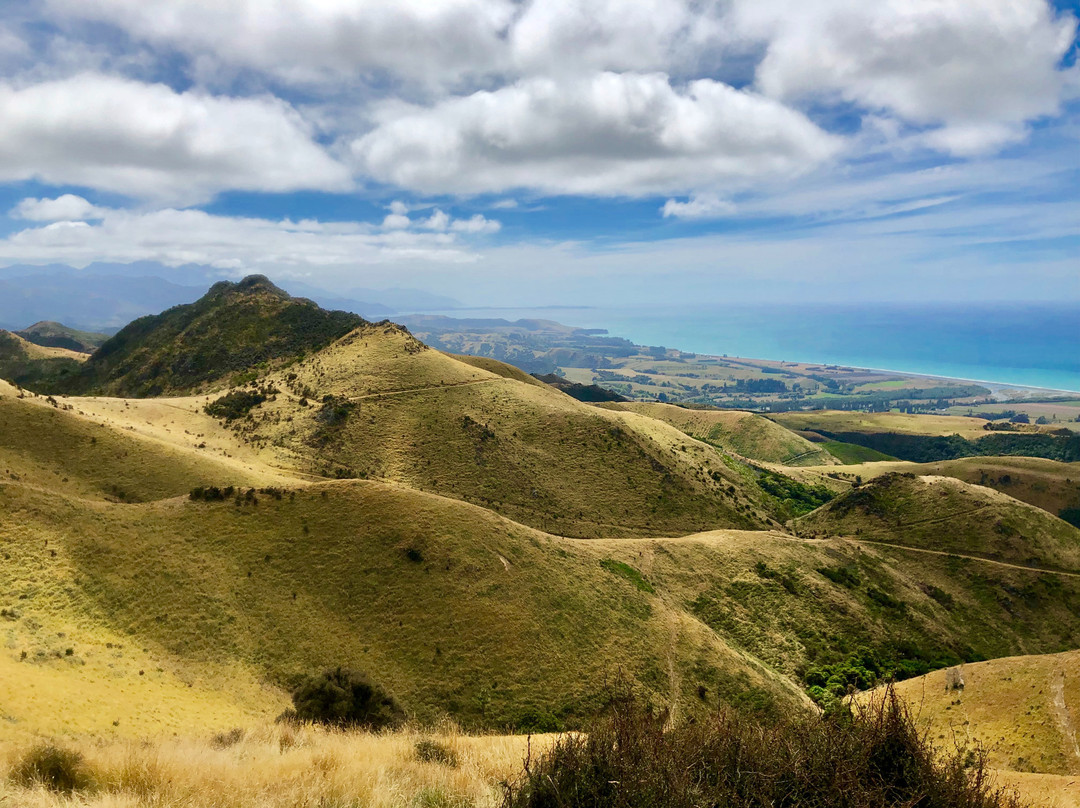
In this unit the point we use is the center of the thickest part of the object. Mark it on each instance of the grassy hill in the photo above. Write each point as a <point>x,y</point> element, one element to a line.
<point>47,445</point>
<point>743,433</point>
<point>1047,484</point>
<point>378,404</point>
<point>454,609</point>
<point>1022,710</point>
<point>29,365</point>
<point>946,515</point>
<point>185,615</point>
<point>234,328</point>
<point>57,335</point>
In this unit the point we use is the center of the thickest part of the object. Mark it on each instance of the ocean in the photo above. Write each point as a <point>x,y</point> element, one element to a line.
<point>1026,345</point>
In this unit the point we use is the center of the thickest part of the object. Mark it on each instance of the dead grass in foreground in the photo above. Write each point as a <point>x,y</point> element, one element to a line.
<point>283,766</point>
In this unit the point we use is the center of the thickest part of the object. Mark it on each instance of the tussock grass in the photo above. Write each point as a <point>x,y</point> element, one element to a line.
<point>1023,710</point>
<point>283,767</point>
<point>743,433</point>
<point>947,515</point>
<point>378,404</point>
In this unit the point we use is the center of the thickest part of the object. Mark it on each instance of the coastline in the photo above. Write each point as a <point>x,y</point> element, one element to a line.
<point>999,385</point>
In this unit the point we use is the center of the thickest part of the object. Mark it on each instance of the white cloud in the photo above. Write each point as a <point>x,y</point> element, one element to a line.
<point>556,36</point>
<point>64,208</point>
<point>476,224</point>
<point>176,237</point>
<point>980,70</point>
<point>423,40</point>
<point>606,134</point>
<point>439,220</point>
<point>147,141</point>
<point>698,206</point>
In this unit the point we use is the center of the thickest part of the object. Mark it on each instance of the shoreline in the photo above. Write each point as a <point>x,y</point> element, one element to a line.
<point>894,372</point>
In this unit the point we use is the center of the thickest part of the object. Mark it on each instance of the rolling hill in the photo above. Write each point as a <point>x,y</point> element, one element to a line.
<point>56,335</point>
<point>318,491</point>
<point>230,330</point>
<point>945,515</point>
<point>378,404</point>
<point>743,433</point>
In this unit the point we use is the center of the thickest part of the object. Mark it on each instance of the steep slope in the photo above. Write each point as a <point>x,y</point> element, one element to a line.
<point>29,365</point>
<point>455,610</point>
<point>945,515</point>
<point>46,444</point>
<point>230,330</point>
<point>744,433</point>
<point>379,404</point>
<point>1022,710</point>
<point>57,335</point>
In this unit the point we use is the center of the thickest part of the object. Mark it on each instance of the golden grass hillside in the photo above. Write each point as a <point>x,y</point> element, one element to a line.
<point>1047,484</point>
<point>942,514</point>
<point>283,767</point>
<point>18,347</point>
<point>1023,711</point>
<point>452,608</point>
<point>798,604</point>
<point>901,423</point>
<point>743,433</point>
<point>378,404</point>
<point>45,442</point>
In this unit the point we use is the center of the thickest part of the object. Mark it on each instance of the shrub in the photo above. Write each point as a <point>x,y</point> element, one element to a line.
<point>431,751</point>
<point>54,767</point>
<point>236,404</point>
<point>345,698</point>
<point>873,757</point>
<point>223,740</point>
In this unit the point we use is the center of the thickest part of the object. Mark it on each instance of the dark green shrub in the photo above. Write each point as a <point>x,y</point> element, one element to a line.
<point>844,576</point>
<point>431,751</point>
<point>873,757</point>
<point>54,767</point>
<point>235,405</point>
<point>345,698</point>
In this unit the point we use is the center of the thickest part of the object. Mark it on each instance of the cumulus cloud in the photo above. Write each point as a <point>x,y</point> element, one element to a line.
<point>476,224</point>
<point>610,133</point>
<point>424,40</point>
<point>175,237</point>
<point>66,208</point>
<point>148,141</point>
<point>698,206</point>
<point>979,70</point>
<point>439,221</point>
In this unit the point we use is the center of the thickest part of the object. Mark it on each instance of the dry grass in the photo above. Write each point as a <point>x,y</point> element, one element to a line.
<point>279,766</point>
<point>1022,710</point>
<point>1047,484</point>
<point>901,423</point>
<point>743,433</point>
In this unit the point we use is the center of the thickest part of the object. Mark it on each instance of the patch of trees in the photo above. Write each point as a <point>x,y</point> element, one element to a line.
<point>1063,447</point>
<point>758,386</point>
<point>795,498</point>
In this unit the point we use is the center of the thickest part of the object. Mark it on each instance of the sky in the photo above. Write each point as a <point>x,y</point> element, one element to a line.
<point>545,152</point>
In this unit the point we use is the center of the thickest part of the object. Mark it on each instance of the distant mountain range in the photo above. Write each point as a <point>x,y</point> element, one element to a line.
<point>106,296</point>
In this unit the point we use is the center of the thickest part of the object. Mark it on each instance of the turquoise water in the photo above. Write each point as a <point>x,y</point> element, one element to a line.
<point>1030,345</point>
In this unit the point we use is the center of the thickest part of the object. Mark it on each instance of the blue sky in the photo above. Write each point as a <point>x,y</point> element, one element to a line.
<point>554,151</point>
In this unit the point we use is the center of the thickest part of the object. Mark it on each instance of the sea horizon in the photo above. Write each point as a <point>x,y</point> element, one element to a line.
<point>1015,345</point>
